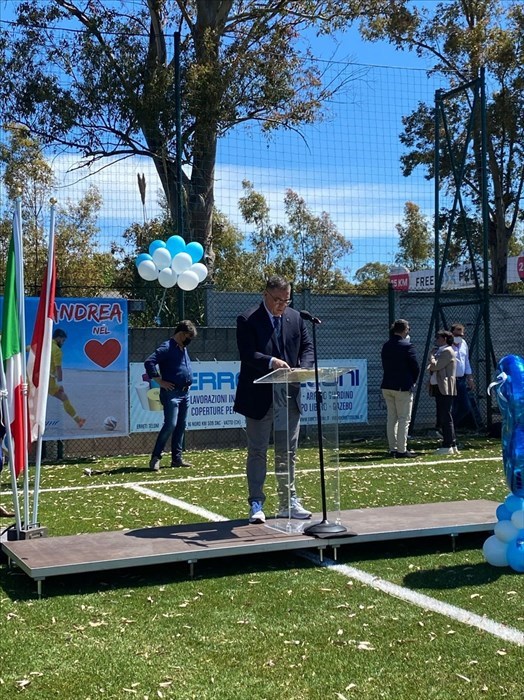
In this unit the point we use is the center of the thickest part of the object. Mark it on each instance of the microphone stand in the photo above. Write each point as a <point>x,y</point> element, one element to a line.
<point>324,528</point>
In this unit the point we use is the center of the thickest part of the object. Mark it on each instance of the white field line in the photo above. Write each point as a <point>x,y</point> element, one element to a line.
<point>241,475</point>
<point>189,507</point>
<point>496,629</point>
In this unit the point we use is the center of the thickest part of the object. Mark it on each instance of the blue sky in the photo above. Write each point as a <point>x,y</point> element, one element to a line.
<point>348,165</point>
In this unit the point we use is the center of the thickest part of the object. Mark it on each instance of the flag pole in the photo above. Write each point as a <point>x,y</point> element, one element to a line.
<point>45,375</point>
<point>20,293</point>
<point>7,422</point>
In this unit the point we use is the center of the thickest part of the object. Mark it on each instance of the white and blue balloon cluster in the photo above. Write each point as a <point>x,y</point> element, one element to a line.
<point>173,262</point>
<point>506,546</point>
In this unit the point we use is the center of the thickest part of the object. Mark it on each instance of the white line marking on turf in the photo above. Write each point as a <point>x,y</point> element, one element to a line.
<point>241,475</point>
<point>189,507</point>
<point>508,634</point>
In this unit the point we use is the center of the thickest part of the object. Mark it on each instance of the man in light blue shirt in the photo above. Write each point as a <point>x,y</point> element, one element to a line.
<point>464,403</point>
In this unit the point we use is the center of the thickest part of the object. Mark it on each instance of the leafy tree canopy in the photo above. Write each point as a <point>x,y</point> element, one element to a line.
<point>461,39</point>
<point>372,278</point>
<point>82,269</point>
<point>101,78</point>
<point>306,249</point>
<point>415,239</point>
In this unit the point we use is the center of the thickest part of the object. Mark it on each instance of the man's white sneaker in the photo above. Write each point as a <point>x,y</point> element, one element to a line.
<point>256,514</point>
<point>296,511</point>
<point>445,451</point>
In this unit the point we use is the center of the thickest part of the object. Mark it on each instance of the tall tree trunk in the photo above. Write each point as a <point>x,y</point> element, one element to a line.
<point>201,199</point>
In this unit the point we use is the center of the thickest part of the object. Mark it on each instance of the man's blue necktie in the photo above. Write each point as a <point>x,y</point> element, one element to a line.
<point>277,323</point>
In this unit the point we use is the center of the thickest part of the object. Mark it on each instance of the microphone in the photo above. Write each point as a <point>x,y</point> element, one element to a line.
<point>308,317</point>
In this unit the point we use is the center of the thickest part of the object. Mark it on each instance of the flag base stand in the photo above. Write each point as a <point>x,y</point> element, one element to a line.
<point>31,532</point>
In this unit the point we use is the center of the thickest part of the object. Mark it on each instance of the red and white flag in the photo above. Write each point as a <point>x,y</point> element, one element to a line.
<point>39,359</point>
<point>12,355</point>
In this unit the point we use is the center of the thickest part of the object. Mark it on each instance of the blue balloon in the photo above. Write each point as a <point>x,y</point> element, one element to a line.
<point>195,250</point>
<point>154,245</point>
<point>515,554</point>
<point>514,503</point>
<point>503,513</point>
<point>140,258</point>
<point>175,245</point>
<point>510,397</point>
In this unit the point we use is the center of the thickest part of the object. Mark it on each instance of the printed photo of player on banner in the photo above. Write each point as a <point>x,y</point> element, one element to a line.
<point>88,382</point>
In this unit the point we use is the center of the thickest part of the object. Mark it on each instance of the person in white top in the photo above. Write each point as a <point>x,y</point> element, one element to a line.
<point>464,404</point>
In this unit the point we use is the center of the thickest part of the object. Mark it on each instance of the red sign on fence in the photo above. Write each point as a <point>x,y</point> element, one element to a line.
<point>400,281</point>
<point>520,267</point>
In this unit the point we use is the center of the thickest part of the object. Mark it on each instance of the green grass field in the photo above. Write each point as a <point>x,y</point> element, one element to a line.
<point>267,626</point>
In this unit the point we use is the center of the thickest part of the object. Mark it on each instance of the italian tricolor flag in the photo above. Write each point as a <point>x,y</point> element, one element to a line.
<point>39,360</point>
<point>11,352</point>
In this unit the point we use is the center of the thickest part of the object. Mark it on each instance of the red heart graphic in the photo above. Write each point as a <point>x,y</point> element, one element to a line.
<point>102,354</point>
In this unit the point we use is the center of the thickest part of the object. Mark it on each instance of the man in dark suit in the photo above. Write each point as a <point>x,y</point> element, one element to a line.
<point>401,370</point>
<point>271,336</point>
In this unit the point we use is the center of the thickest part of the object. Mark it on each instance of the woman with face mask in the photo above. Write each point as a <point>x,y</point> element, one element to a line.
<point>170,367</point>
<point>443,386</point>
<point>400,373</point>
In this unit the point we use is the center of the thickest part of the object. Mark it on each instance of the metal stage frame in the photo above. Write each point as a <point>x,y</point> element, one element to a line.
<point>43,557</point>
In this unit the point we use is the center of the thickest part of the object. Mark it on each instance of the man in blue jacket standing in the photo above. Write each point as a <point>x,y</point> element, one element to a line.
<point>170,367</point>
<point>271,336</point>
<point>401,370</point>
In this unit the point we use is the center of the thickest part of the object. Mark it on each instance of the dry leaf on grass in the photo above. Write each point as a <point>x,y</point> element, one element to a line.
<point>365,646</point>
<point>464,678</point>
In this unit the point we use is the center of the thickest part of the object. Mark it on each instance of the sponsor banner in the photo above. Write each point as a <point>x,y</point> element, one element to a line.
<point>399,278</point>
<point>212,395</point>
<point>211,398</point>
<point>88,394</point>
<point>351,388</point>
<point>461,277</point>
<point>515,269</point>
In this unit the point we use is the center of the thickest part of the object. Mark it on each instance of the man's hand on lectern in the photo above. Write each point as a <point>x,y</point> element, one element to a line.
<point>280,364</point>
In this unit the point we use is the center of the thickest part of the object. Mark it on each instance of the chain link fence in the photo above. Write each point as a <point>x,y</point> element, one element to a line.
<point>353,327</point>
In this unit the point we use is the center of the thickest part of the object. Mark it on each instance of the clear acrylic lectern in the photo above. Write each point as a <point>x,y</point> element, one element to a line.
<point>295,423</point>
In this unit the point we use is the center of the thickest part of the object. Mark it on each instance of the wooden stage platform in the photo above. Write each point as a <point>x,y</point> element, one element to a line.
<point>43,557</point>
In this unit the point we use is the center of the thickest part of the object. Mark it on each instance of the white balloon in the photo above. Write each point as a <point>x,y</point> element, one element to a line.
<point>167,278</point>
<point>187,280</point>
<point>162,258</point>
<point>147,270</point>
<point>517,518</point>
<point>181,262</point>
<point>495,551</point>
<point>201,271</point>
<point>505,531</point>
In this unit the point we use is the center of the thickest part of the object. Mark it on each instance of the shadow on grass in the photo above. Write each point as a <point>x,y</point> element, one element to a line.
<point>451,577</point>
<point>362,457</point>
<point>411,547</point>
<point>422,448</point>
<point>119,470</point>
